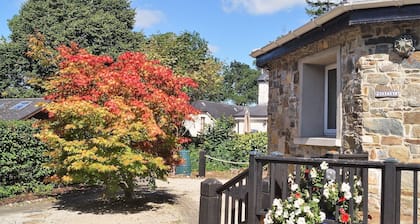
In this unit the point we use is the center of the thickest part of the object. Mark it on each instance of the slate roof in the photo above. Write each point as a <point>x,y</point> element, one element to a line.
<point>254,111</point>
<point>19,108</point>
<point>215,109</point>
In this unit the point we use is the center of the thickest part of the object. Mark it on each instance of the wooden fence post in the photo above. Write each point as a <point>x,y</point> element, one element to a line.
<point>252,190</point>
<point>210,202</point>
<point>202,164</point>
<point>389,192</point>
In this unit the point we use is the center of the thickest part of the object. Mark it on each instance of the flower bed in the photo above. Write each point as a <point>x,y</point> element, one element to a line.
<point>317,197</point>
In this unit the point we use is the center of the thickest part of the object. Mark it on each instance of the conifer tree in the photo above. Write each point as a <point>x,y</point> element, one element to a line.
<point>318,7</point>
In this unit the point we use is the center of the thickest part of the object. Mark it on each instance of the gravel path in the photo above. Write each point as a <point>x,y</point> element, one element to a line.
<point>175,201</point>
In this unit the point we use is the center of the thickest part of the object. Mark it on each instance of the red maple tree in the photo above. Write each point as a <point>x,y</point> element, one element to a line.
<point>112,121</point>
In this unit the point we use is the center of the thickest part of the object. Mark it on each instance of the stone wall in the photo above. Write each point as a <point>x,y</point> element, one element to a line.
<point>391,124</point>
<point>383,126</point>
<point>284,93</point>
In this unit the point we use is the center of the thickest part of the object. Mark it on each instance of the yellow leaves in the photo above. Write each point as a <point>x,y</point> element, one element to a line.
<point>102,168</point>
<point>69,126</point>
<point>67,179</point>
<point>78,165</point>
<point>159,162</point>
<point>131,158</point>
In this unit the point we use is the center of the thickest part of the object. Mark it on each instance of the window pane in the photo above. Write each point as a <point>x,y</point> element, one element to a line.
<point>332,99</point>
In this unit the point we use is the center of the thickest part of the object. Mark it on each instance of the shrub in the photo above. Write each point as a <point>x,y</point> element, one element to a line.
<point>21,159</point>
<point>219,141</point>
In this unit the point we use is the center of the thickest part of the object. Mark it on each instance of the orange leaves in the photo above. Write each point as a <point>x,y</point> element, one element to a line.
<point>129,86</point>
<point>113,119</point>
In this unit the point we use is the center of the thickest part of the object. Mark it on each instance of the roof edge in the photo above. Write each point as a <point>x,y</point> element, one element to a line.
<point>328,17</point>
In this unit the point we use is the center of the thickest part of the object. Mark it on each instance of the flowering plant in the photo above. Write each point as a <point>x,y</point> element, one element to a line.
<point>315,198</point>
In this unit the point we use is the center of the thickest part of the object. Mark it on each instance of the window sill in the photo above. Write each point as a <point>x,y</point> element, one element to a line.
<point>318,141</point>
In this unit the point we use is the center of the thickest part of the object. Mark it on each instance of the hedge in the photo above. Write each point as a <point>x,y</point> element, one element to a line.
<point>22,157</point>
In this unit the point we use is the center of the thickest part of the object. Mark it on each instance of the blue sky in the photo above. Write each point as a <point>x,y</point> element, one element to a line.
<point>233,28</point>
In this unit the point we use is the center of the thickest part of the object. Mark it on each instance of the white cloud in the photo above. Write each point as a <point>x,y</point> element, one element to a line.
<point>147,18</point>
<point>259,6</point>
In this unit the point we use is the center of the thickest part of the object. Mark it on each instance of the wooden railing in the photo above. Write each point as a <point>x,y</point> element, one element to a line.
<point>247,197</point>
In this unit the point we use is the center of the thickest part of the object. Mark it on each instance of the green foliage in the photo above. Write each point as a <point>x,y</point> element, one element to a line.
<point>12,69</point>
<point>188,55</point>
<point>240,83</point>
<point>222,143</point>
<point>21,159</point>
<point>103,27</point>
<point>319,7</point>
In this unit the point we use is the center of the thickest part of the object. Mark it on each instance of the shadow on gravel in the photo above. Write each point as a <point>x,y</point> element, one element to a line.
<point>89,200</point>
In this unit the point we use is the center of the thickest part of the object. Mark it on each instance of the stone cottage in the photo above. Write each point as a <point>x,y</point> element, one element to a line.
<point>347,81</point>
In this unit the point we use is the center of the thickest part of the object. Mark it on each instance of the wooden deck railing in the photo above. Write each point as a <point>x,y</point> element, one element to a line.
<point>247,197</point>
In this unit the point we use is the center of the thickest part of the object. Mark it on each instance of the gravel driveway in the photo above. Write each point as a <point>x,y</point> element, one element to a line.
<point>175,201</point>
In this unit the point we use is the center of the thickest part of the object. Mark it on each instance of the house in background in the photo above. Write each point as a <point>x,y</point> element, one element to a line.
<point>209,112</point>
<point>254,118</point>
<point>21,109</point>
<point>247,119</point>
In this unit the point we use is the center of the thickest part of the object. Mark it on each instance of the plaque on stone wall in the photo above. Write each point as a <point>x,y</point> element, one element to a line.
<point>385,91</point>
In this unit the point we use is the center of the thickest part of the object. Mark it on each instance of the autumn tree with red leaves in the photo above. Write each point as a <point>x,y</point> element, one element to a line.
<point>113,121</point>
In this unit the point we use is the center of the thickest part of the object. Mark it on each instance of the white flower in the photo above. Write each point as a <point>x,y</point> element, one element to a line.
<point>268,219</point>
<point>279,212</point>
<point>298,211</point>
<point>358,199</point>
<point>290,221</point>
<point>326,193</point>
<point>301,220</point>
<point>286,214</point>
<point>359,183</point>
<point>308,211</point>
<point>345,187</point>
<point>314,173</point>
<point>316,200</point>
<point>322,216</point>
<point>347,195</point>
<point>290,179</point>
<point>277,203</point>
<point>324,166</point>
<point>299,202</point>
<point>294,187</point>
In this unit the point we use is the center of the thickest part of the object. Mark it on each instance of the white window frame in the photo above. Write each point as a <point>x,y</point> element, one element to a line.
<point>328,132</point>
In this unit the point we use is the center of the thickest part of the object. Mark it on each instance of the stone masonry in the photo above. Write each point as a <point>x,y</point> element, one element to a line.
<point>382,126</point>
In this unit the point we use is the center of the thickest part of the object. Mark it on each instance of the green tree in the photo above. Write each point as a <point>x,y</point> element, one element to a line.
<point>187,54</point>
<point>12,66</point>
<point>319,7</point>
<point>240,83</point>
<point>101,26</point>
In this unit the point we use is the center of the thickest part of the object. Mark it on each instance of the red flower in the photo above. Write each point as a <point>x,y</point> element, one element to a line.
<point>345,217</point>
<point>297,195</point>
<point>341,199</point>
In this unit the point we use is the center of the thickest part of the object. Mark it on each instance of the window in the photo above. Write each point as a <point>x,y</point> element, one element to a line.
<point>330,101</point>
<point>319,107</point>
<point>20,105</point>
<point>202,123</point>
